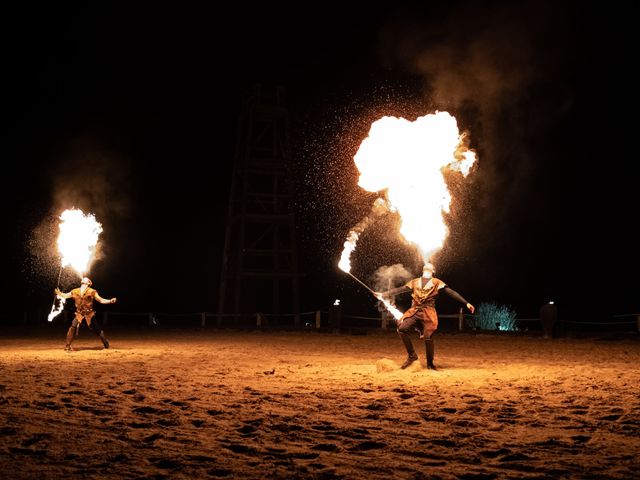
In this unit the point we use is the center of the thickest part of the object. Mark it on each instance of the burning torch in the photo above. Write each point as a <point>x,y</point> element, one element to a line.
<point>54,312</point>
<point>345,266</point>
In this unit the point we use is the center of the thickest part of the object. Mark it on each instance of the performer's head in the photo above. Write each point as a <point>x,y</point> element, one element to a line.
<point>428,270</point>
<point>86,281</point>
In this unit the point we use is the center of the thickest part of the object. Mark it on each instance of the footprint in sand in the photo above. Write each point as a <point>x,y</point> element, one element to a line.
<point>214,413</point>
<point>238,448</point>
<point>367,445</point>
<point>377,406</point>
<point>326,447</point>
<point>247,430</point>
<point>152,438</point>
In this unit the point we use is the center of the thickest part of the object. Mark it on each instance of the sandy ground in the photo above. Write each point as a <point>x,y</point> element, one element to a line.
<point>211,404</point>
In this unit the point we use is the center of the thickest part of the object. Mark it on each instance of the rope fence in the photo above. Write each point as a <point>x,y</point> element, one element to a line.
<point>327,318</point>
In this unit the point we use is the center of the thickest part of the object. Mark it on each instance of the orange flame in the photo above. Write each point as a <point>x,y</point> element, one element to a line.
<point>407,159</point>
<point>78,239</point>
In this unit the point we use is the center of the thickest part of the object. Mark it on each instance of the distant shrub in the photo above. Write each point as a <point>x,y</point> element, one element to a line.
<point>489,316</point>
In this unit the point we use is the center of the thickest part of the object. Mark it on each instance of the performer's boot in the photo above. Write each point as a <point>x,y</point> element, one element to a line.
<point>430,349</point>
<point>70,334</point>
<point>105,342</point>
<point>411,353</point>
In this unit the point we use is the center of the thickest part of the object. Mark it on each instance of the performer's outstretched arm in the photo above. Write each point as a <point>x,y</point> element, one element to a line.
<point>62,294</point>
<point>104,300</point>
<point>393,291</point>
<point>456,296</point>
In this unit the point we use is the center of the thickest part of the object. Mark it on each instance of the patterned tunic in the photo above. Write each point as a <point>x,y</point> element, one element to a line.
<point>84,304</point>
<point>423,303</point>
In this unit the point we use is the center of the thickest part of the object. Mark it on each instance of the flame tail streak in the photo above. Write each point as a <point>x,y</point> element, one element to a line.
<point>379,207</point>
<point>56,311</point>
<point>393,310</point>
<point>350,243</point>
<point>397,314</point>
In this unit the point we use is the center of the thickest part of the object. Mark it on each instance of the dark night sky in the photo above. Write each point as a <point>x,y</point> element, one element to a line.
<point>130,112</point>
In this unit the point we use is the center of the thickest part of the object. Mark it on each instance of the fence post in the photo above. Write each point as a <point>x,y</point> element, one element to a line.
<point>203,319</point>
<point>258,319</point>
<point>151,319</point>
<point>319,319</point>
<point>335,317</point>
<point>460,319</point>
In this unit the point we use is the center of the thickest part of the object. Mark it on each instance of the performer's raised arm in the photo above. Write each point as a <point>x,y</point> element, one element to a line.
<point>62,294</point>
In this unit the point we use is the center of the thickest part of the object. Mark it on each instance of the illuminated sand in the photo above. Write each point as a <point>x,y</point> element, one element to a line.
<point>277,405</point>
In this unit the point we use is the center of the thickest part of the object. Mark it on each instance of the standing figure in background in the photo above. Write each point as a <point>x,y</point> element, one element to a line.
<point>548,317</point>
<point>422,315</point>
<point>83,297</point>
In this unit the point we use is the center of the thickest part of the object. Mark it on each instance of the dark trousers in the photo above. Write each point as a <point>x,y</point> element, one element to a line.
<point>410,324</point>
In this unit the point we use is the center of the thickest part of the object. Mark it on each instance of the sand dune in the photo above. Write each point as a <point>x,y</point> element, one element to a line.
<point>221,404</point>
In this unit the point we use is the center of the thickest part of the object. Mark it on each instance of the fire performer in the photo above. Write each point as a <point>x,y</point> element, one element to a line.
<point>83,298</point>
<point>422,315</point>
